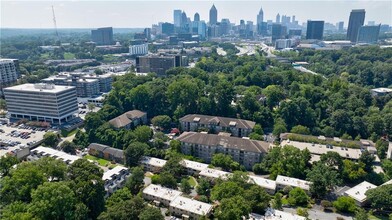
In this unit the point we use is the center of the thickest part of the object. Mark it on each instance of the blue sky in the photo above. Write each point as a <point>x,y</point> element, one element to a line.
<point>134,14</point>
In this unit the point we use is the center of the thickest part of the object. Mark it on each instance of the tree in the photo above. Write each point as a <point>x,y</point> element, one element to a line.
<point>143,133</point>
<point>299,129</point>
<point>367,159</point>
<point>86,181</point>
<point>174,167</point>
<point>323,179</point>
<point>51,139</point>
<point>90,107</point>
<point>185,186</point>
<point>353,172</point>
<point>68,147</point>
<point>81,139</point>
<point>274,94</point>
<point>16,211</point>
<point>134,152</point>
<point>53,201</point>
<point>204,187</point>
<point>258,198</point>
<point>332,159</point>
<point>226,190</point>
<point>277,201</point>
<point>380,198</point>
<point>382,148</point>
<point>303,212</point>
<point>17,186</point>
<point>6,163</point>
<point>136,182</point>
<point>345,204</point>
<point>361,214</point>
<point>124,209</point>
<point>54,170</point>
<point>233,208</point>
<point>151,213</point>
<point>298,197</point>
<point>162,121</point>
<point>224,161</point>
<point>168,180</point>
<point>279,127</point>
<point>175,146</point>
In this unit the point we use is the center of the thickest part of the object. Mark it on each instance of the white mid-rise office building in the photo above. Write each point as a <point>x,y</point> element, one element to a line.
<point>41,102</point>
<point>8,71</point>
<point>141,49</point>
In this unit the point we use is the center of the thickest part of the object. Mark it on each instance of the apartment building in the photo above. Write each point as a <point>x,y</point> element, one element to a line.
<point>244,151</point>
<point>129,119</point>
<point>283,181</point>
<point>358,192</point>
<point>214,124</point>
<point>40,152</point>
<point>9,72</point>
<point>115,179</point>
<point>160,195</point>
<point>152,164</point>
<point>41,102</point>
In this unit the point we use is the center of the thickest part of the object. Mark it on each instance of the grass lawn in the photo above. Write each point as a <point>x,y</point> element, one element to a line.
<point>192,181</point>
<point>66,133</point>
<point>101,162</point>
<point>69,56</point>
<point>285,201</point>
<point>373,217</point>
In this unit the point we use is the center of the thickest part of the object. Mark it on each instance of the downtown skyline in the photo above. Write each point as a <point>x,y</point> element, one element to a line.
<point>137,14</point>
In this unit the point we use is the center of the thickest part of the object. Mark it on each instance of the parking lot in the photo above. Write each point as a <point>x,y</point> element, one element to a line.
<point>13,138</point>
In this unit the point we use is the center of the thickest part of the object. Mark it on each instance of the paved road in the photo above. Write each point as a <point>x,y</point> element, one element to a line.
<point>315,213</point>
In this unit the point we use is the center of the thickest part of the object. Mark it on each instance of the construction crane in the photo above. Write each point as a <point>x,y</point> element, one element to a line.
<point>55,24</point>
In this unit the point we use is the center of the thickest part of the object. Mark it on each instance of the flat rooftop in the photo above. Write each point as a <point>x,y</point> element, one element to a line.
<point>161,192</point>
<point>213,173</point>
<point>319,149</point>
<point>358,191</point>
<point>191,205</point>
<point>273,214</point>
<point>45,88</point>
<point>49,152</point>
<point>262,182</point>
<point>194,165</point>
<point>108,175</point>
<point>382,90</point>
<point>294,182</point>
<point>153,161</point>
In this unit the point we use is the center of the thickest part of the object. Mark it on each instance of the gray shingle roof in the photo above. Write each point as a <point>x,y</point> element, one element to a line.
<point>227,142</point>
<point>223,121</point>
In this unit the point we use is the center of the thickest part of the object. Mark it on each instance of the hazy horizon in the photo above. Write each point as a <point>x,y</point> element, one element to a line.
<point>139,14</point>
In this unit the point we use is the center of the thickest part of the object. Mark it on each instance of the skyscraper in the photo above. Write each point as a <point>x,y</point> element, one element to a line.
<point>184,19</point>
<point>357,18</point>
<point>196,17</point>
<point>213,15</point>
<point>340,26</point>
<point>368,34</point>
<point>260,16</point>
<point>177,18</point>
<point>277,18</point>
<point>102,36</point>
<point>315,30</point>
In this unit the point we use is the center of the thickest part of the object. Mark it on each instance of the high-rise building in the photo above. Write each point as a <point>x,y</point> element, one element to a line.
<point>167,28</point>
<point>41,102</point>
<point>225,26</point>
<point>202,29</point>
<point>9,72</point>
<point>276,31</point>
<point>213,15</point>
<point>277,18</point>
<point>315,30</point>
<point>177,18</point>
<point>147,33</point>
<point>357,18</point>
<point>295,32</point>
<point>368,34</point>
<point>158,64</point>
<point>102,36</point>
<point>196,17</point>
<point>340,26</point>
<point>141,49</point>
<point>260,16</point>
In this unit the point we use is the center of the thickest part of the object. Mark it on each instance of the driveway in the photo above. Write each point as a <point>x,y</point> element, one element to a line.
<point>318,214</point>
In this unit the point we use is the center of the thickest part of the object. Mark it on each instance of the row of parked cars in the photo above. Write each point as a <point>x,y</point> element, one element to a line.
<point>23,134</point>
